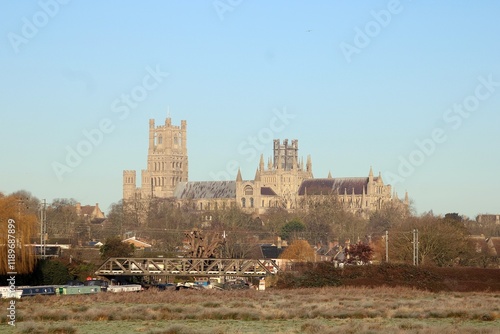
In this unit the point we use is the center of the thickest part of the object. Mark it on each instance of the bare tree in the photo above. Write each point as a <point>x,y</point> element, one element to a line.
<point>203,245</point>
<point>441,242</point>
<point>61,218</point>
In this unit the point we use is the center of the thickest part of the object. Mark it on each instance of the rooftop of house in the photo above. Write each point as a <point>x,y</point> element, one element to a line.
<point>137,243</point>
<point>271,251</point>
<point>89,210</point>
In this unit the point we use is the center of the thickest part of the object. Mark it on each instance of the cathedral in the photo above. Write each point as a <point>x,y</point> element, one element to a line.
<point>284,182</point>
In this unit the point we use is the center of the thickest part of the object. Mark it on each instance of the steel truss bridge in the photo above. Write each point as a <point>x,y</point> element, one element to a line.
<point>117,266</point>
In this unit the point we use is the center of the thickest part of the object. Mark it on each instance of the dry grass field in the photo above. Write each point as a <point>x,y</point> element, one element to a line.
<point>307,310</point>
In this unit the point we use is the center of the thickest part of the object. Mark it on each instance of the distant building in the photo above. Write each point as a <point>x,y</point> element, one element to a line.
<point>95,243</point>
<point>167,163</point>
<point>90,213</point>
<point>138,244</point>
<point>286,182</point>
<point>488,219</point>
<point>486,245</point>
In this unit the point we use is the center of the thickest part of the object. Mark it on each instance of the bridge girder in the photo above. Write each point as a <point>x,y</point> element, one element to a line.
<point>187,267</point>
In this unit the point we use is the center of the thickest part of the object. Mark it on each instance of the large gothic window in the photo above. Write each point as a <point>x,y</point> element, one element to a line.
<point>248,191</point>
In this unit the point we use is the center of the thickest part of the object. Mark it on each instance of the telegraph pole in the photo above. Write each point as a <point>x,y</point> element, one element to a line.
<point>43,228</point>
<point>387,246</point>
<point>415,247</point>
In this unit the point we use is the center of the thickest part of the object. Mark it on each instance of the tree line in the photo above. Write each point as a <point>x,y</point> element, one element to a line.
<point>443,241</point>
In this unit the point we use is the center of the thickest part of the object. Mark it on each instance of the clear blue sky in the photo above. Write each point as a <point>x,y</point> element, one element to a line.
<point>363,83</point>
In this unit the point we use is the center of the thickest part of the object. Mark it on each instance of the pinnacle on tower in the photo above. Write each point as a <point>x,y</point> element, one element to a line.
<point>257,175</point>
<point>329,175</point>
<point>238,177</point>
<point>261,163</point>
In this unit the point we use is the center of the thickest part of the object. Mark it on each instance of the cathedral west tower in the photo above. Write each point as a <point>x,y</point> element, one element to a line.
<point>167,163</point>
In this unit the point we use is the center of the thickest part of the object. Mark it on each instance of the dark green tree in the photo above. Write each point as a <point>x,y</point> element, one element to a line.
<point>292,230</point>
<point>114,247</point>
<point>48,272</point>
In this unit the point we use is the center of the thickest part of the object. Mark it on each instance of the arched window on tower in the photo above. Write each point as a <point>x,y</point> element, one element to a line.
<point>243,202</point>
<point>251,202</point>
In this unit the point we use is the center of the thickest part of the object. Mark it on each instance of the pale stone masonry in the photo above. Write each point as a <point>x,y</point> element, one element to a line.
<point>167,163</point>
<point>286,182</point>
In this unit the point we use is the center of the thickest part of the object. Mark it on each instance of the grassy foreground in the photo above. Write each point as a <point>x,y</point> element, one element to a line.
<point>312,310</point>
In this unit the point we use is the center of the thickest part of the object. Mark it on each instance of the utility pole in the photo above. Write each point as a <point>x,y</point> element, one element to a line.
<point>43,228</point>
<point>415,247</point>
<point>387,246</point>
